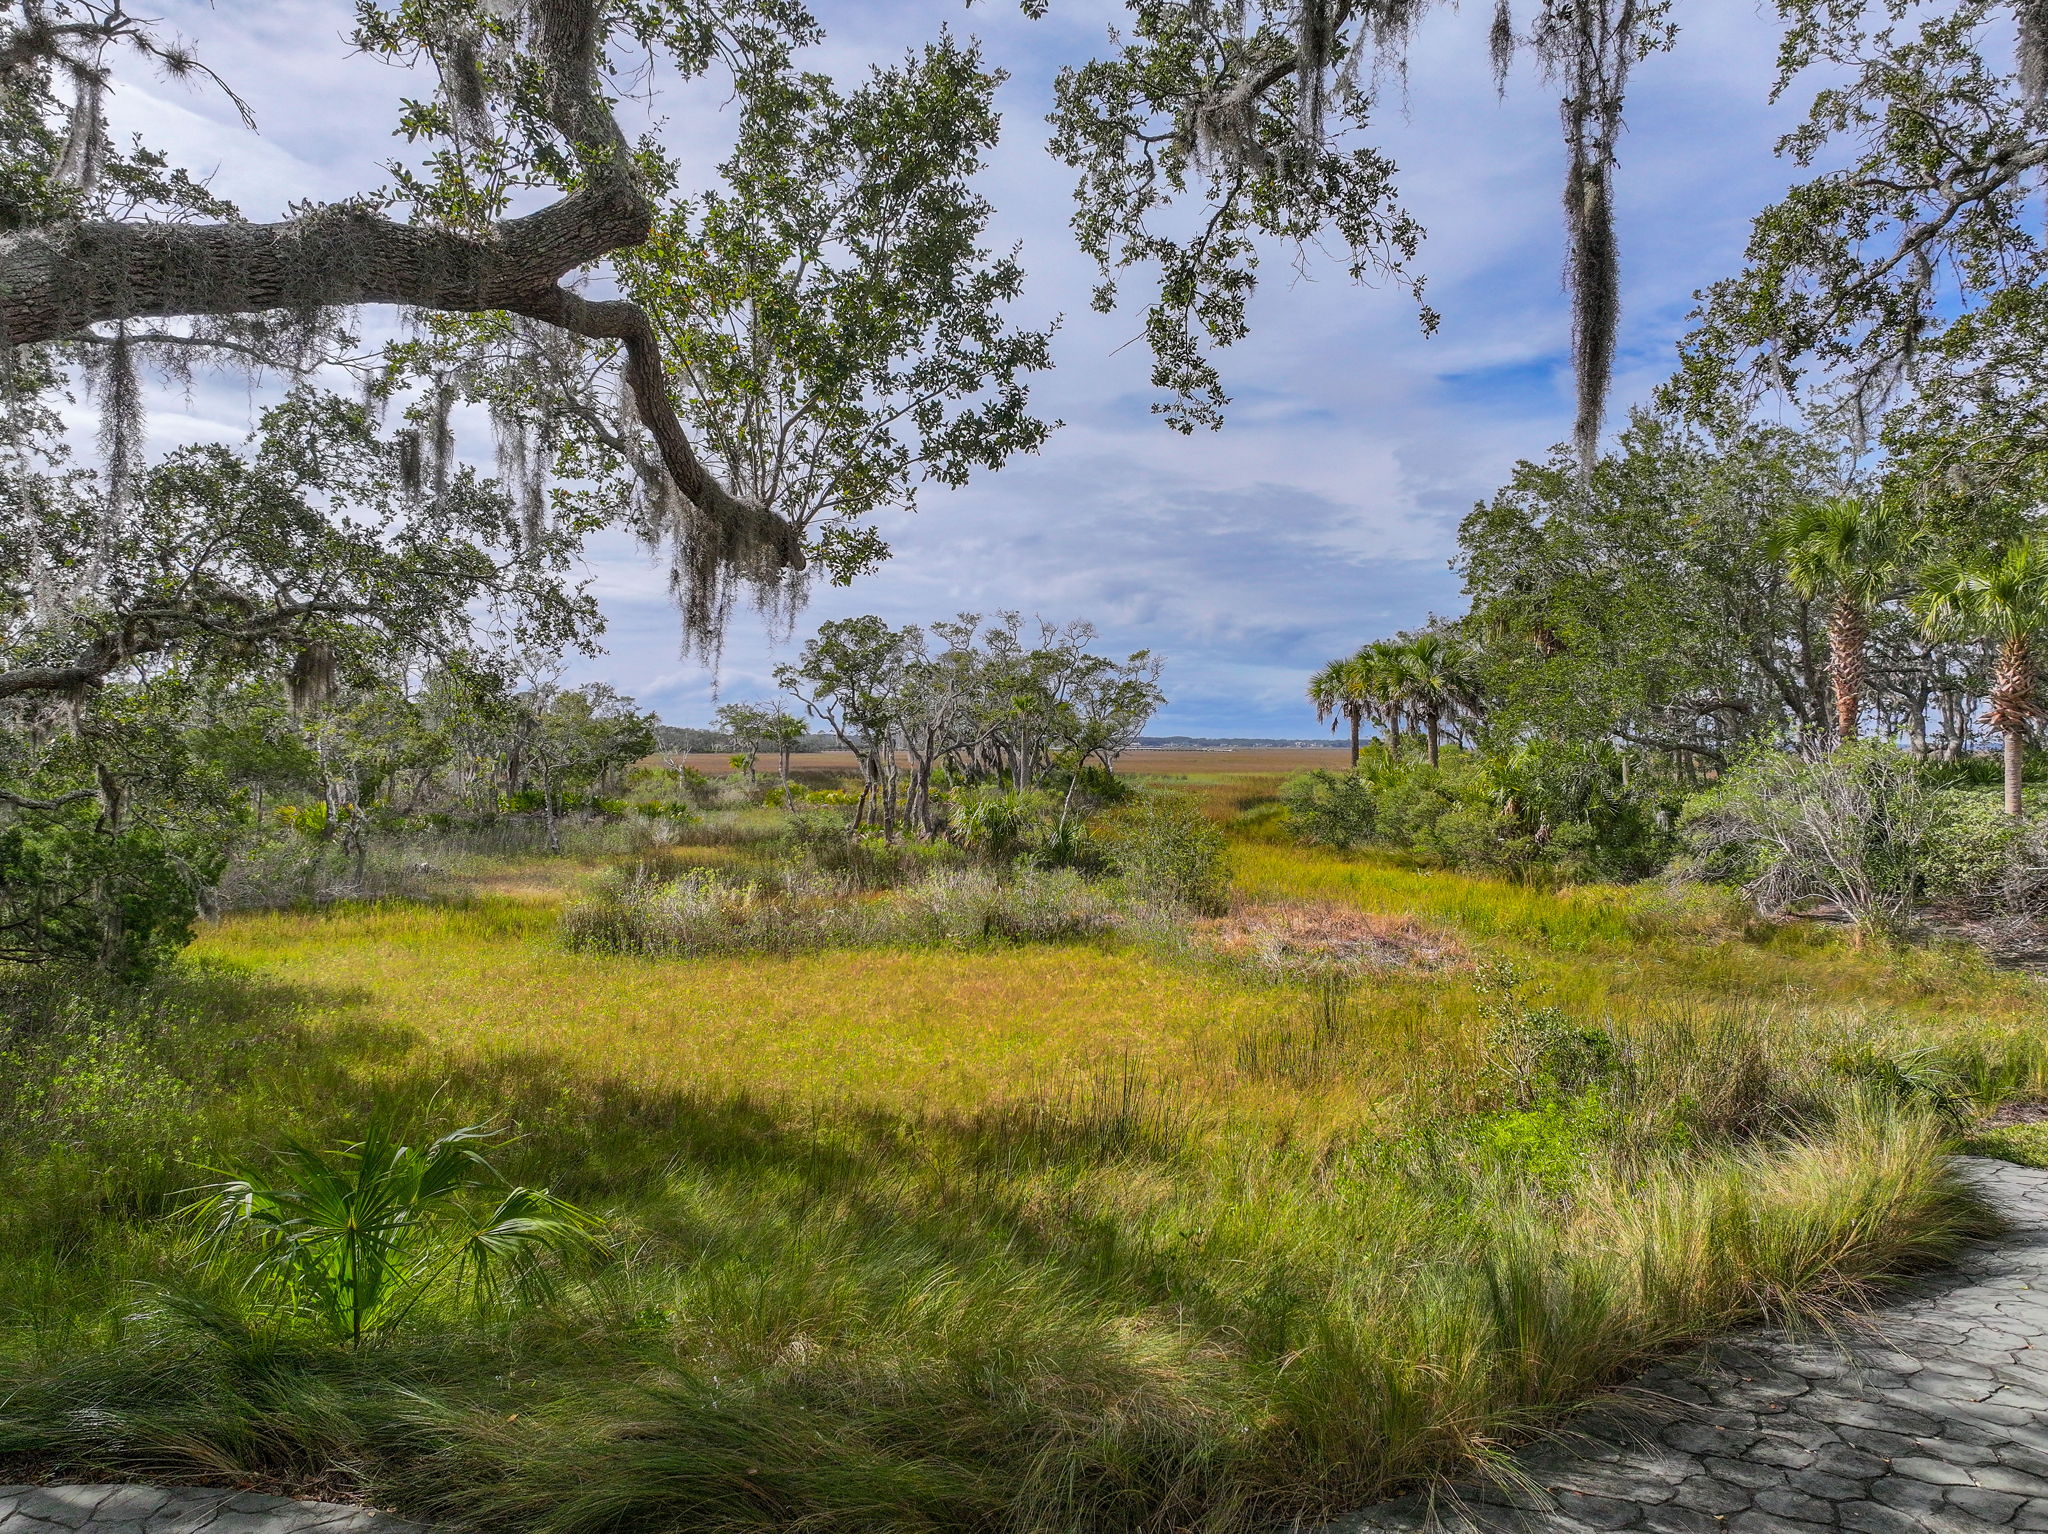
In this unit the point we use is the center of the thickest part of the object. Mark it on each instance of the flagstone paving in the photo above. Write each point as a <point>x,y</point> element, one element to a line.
<point>182,1510</point>
<point>1932,1419</point>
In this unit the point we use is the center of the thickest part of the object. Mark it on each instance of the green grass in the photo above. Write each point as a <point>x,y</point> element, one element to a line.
<point>1073,1237</point>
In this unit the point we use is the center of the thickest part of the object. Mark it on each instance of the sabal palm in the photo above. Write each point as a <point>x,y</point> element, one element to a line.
<point>1388,688</point>
<point>1343,690</point>
<point>2000,595</point>
<point>1436,684</point>
<point>361,1234</point>
<point>1854,551</point>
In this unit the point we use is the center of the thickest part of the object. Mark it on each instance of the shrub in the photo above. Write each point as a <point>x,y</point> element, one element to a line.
<point>1856,829</point>
<point>797,911</point>
<point>1035,905</point>
<point>1164,847</point>
<point>996,823</point>
<point>1333,809</point>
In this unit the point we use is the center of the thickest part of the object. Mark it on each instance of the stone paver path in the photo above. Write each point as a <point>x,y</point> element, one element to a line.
<point>1932,1421</point>
<point>182,1510</point>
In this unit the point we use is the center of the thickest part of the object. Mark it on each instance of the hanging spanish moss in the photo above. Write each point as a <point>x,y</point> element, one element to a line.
<point>111,375</point>
<point>437,442</point>
<point>312,680</point>
<point>712,560</point>
<point>411,470</point>
<point>1500,43</point>
<point>1591,45</point>
<point>526,458</point>
<point>86,139</point>
<point>2032,17</point>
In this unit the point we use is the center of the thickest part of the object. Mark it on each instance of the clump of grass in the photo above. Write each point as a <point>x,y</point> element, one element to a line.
<point>803,911</point>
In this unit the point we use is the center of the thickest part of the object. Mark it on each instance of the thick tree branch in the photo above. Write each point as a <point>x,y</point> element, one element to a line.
<point>59,279</point>
<point>23,802</point>
<point>160,629</point>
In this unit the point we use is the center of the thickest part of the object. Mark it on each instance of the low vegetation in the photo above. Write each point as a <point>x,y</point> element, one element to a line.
<point>1221,1220</point>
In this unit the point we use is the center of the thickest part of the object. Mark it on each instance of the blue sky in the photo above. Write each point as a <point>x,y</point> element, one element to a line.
<point>1323,515</point>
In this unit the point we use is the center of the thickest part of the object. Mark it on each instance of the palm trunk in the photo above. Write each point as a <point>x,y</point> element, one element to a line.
<point>1434,727</point>
<point>1356,720</point>
<point>2012,700</point>
<point>1847,630</point>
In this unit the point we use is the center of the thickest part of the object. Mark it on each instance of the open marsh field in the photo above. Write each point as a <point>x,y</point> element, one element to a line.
<point>1085,1235</point>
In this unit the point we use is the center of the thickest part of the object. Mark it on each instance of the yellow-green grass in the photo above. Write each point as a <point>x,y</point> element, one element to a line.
<point>904,1027</point>
<point>942,1029</point>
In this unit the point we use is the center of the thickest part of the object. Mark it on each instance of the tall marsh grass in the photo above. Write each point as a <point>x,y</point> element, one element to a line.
<point>1112,1303</point>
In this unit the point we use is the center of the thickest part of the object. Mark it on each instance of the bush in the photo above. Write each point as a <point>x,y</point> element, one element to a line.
<point>1567,810</point>
<point>1165,848</point>
<point>1857,829</point>
<point>73,894</point>
<point>1332,809</point>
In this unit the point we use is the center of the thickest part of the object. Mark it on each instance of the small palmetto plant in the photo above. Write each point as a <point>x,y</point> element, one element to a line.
<point>360,1235</point>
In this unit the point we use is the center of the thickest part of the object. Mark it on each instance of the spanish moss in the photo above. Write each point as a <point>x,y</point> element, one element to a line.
<point>1500,43</point>
<point>1591,47</point>
<point>2032,18</point>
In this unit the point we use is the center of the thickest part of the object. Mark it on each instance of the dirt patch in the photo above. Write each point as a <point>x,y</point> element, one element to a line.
<point>1308,940</point>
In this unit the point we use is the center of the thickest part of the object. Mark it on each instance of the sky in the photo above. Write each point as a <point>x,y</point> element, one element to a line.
<point>1322,516</point>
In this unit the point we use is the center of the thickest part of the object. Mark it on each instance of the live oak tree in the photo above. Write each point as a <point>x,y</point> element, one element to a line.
<point>988,700</point>
<point>827,323</point>
<point>149,647</point>
<point>1915,255</point>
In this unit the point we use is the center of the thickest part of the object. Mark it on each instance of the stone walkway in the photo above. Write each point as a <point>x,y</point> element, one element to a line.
<point>182,1510</point>
<point>1935,1420</point>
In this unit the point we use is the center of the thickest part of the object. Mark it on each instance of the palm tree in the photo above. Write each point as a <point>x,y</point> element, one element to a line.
<point>1436,684</point>
<point>1343,690</point>
<point>1388,690</point>
<point>2000,595</point>
<point>1853,551</point>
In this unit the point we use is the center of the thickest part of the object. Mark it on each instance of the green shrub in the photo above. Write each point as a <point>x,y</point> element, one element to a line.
<point>1331,809</point>
<point>1856,829</point>
<point>1165,848</point>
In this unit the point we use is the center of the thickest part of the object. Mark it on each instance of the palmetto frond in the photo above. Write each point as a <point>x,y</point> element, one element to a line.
<point>357,1236</point>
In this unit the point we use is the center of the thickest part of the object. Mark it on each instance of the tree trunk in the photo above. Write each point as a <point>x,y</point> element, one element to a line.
<point>2012,703</point>
<point>1847,631</point>
<point>1356,719</point>
<point>1434,727</point>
